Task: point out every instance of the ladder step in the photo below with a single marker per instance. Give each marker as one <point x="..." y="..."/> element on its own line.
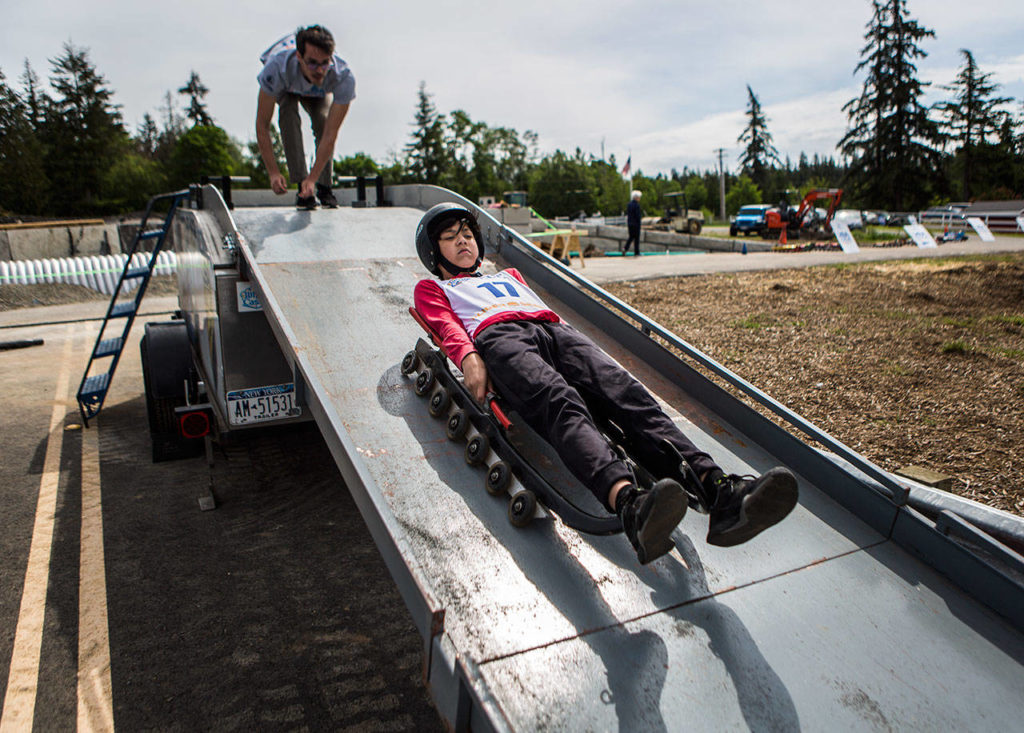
<point x="151" y="234"/>
<point x="95" y="385"/>
<point x="122" y="309"/>
<point x="109" y="347"/>
<point x="136" y="272"/>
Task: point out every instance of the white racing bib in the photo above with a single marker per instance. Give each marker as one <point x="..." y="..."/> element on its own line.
<point x="477" y="299"/>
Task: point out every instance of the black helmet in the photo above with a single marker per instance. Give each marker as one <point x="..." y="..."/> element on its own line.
<point x="432" y="224"/>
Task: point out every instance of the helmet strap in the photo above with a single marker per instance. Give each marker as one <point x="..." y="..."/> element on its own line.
<point x="454" y="269"/>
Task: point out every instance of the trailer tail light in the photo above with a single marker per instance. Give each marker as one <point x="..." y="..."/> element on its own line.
<point x="194" y="423"/>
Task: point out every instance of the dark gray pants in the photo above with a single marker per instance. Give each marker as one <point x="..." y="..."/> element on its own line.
<point x="290" y="124"/>
<point x="553" y="375"/>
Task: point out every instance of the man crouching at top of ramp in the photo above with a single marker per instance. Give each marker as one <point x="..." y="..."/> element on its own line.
<point x="500" y="334"/>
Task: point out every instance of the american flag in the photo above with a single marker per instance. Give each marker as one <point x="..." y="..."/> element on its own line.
<point x="626" y="168"/>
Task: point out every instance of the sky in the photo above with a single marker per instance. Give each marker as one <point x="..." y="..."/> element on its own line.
<point x="660" y="81"/>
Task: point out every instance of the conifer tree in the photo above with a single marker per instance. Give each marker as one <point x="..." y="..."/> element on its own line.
<point x="891" y="141"/>
<point x="425" y="153"/>
<point x="196" y="91"/>
<point x="972" y="116"/>
<point x="82" y="132"/>
<point x="759" y="151"/>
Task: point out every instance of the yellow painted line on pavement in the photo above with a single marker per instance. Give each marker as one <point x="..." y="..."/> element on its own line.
<point x="95" y="690"/>
<point x="23" y="678"/>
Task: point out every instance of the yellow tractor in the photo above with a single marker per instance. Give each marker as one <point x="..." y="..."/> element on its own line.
<point x="678" y="217"/>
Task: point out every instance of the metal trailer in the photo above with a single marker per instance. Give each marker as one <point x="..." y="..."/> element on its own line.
<point x="868" y="608"/>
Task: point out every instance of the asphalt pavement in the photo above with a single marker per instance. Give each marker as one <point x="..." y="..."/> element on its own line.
<point x="660" y="264"/>
<point x="123" y="605"/>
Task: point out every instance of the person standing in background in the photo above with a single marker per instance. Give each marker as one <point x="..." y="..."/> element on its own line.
<point x="633" y="216"/>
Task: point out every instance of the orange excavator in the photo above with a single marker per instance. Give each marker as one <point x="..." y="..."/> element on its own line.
<point x="805" y="221"/>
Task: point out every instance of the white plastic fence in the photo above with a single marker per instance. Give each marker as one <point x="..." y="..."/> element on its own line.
<point x="99" y="272"/>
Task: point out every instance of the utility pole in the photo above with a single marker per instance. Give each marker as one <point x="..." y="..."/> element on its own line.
<point x="721" y="184"/>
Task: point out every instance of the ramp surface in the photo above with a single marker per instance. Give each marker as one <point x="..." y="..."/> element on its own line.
<point x="822" y="622"/>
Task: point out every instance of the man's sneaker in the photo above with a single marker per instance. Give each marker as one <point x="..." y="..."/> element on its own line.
<point x="307" y="203"/>
<point x="326" y="197"/>
<point x="745" y="506"/>
<point x="649" y="517"/>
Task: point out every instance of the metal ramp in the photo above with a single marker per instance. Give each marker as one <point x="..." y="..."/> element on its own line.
<point x="857" y="613"/>
<point x="106" y="353"/>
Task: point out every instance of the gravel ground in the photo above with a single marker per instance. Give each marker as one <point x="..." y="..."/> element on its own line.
<point x="911" y="362"/>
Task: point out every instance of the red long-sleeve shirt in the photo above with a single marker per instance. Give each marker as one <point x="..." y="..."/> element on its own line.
<point x="434" y="306"/>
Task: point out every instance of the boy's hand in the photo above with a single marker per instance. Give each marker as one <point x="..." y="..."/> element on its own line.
<point x="477" y="381"/>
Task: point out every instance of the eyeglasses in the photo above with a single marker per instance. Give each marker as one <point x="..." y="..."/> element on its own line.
<point x="317" y="64"/>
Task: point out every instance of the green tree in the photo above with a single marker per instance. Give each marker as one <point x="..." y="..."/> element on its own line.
<point x="971" y="117"/>
<point x="425" y="153"/>
<point x="203" y="150"/>
<point x="359" y="164"/>
<point x="82" y="133"/>
<point x="196" y="91"/>
<point x="561" y="185"/>
<point x="758" y="152"/>
<point x="891" y="141"/>
<point x="744" y="191"/>
<point x="696" y="192"/>
<point x="611" y="190"/>
<point x="131" y="181"/>
<point x="23" y="181"/>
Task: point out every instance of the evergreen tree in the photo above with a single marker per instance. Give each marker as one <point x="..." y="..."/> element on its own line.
<point x="148" y="136"/>
<point x="972" y="116"/>
<point x="33" y="98"/>
<point x="891" y="141"/>
<point x="425" y="153"/>
<point x="759" y="151"/>
<point x="82" y="132"/>
<point x="23" y="182"/>
<point x="196" y="91"/>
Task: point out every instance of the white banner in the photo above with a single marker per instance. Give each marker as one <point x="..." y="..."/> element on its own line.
<point x="981" y="229"/>
<point x="844" y="236"/>
<point x="921" y="236"/>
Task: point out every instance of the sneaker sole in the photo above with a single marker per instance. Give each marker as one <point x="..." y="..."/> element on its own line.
<point x="767" y="506"/>
<point x="667" y="511"/>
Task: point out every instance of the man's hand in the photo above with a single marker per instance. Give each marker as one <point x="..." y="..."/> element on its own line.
<point x="307" y="187"/>
<point x="278" y="184"/>
<point x="477" y="381"/>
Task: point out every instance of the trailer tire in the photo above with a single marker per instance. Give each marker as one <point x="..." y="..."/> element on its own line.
<point x="166" y="370"/>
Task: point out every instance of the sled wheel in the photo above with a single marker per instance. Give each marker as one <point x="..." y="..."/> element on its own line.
<point x="498" y="478"/>
<point x="521" y="508"/>
<point x="424" y="382"/>
<point x="410" y="362"/>
<point x="457" y="425"/>
<point x="477" y="449"/>
<point x="439" y="402"/>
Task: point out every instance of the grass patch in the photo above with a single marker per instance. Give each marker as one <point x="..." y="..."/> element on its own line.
<point x="957" y="346"/>
<point x="1015" y="354"/>
<point x="957" y="322"/>
<point x="754" y="322"/>
<point x="1013" y="320"/>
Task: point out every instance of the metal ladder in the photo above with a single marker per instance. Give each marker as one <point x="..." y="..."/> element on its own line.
<point x="93" y="389"/>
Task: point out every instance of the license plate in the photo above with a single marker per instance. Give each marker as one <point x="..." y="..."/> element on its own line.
<point x="262" y="404"/>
